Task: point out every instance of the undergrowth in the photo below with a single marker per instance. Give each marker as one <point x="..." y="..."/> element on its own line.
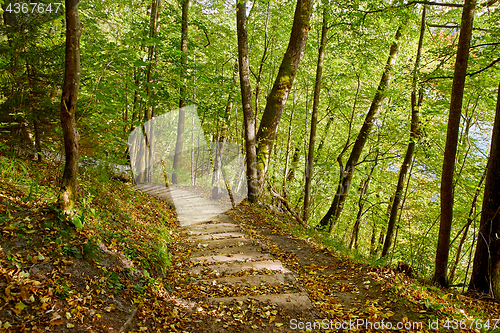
<point x="58" y="273"/>
<point x="109" y="211"/>
<point x="448" y="306"/>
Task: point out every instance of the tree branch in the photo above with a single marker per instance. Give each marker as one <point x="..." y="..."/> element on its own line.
<point x="422" y="2"/>
<point x="485" y="68"/>
<point x="432" y="3"/>
<point x="455" y="26"/>
<point x="468" y="74"/>
<point x="286" y="204"/>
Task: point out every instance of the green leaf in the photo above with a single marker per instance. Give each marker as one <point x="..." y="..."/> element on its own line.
<point x="78" y="222"/>
<point x="21" y="306"/>
<point x="139" y="63"/>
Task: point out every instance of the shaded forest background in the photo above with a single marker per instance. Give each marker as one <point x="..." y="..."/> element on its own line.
<point x="133" y="67"/>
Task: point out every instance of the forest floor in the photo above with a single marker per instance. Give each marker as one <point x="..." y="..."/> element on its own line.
<point x="128" y="270"/>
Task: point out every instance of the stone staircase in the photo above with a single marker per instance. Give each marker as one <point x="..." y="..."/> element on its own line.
<point x="231" y="266"/>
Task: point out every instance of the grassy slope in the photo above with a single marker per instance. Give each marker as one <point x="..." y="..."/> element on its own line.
<point x="53" y="276"/>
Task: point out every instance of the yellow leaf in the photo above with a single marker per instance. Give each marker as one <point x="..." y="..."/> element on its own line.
<point x="109" y="308"/>
<point x="70" y="325"/>
<point x="278" y="324"/>
<point x="388" y="314"/>
<point x="19" y="308"/>
<point x="255" y="327"/>
<point x="57" y="320"/>
<point x="25" y="292"/>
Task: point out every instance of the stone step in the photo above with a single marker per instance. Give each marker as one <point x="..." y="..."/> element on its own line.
<point x="252" y="280"/>
<point x="228" y="250"/>
<point x="223" y="243"/>
<point x="212" y="229"/>
<point x="236" y="267"/>
<point x="223" y="235"/>
<point x="211" y="224"/>
<point x="231" y="257"/>
<point x="295" y="302"/>
<point x="191" y="220"/>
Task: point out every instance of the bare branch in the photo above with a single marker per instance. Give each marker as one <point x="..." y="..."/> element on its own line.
<point x="484" y="44"/>
<point x="422" y="2"/>
<point x="432" y="3"/>
<point x="485" y="68"/>
<point x="468" y="74"/>
<point x="455" y="26"/>
<point x="286" y="204"/>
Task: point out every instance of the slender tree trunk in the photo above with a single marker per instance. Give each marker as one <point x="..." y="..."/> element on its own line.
<point x="148" y="113"/>
<point x="415" y="111"/>
<point x="193" y="170"/>
<point x="348" y="172"/>
<point x="246" y="98"/>
<point x="295" y="160"/>
<point x="322" y="141"/>
<point x="288" y="145"/>
<point x="222" y="132"/>
<point x="261" y="66"/>
<point x="36" y="120"/>
<point x="67" y="196"/>
<point x="314" y="117"/>
<point x="153" y="27"/>
<point x="362" y="193"/>
<point x="136" y="97"/>
<point x="278" y="96"/>
<point x="470" y="219"/>
<point x="486" y="268"/>
<point x="182" y="100"/>
<point x="373" y="239"/>
<point x="457" y="91"/>
<point x="38" y="139"/>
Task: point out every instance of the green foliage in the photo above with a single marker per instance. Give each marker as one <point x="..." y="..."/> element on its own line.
<point x="120" y="81"/>
<point x="71" y="251"/>
<point x="92" y="251"/>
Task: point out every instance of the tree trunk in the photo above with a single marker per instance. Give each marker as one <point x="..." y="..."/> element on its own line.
<point x="314" y="117"/>
<point x="322" y="141"/>
<point x="30" y="73"/>
<point x="261" y="66"/>
<point x="155" y="4"/>
<point x="373" y="239"/>
<point x="364" y="189"/>
<point x="457" y="92"/>
<point x="69" y="99"/>
<point x="486" y="268"/>
<point x="295" y="160"/>
<point x="182" y="100"/>
<point x="415" y="111"/>
<point x="246" y="98"/>
<point x="38" y="139"/>
<point x="470" y="219"/>
<point x="148" y="113"/>
<point x="348" y="172"/>
<point x="288" y="145"/>
<point x="279" y="93"/>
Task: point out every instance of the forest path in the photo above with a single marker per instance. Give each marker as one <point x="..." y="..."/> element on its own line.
<point x="242" y="261"/>
<point x="232" y="267"/>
